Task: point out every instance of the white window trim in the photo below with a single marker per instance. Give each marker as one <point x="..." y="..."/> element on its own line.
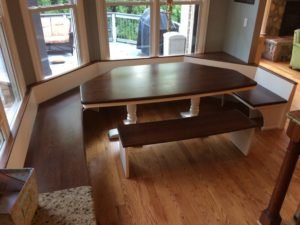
<point x="13" y="67"/>
<point x="102" y="33"/>
<point x="13" y="53"/>
<point x="81" y="35"/>
<point x="154" y="10"/>
<point x="4" y="126"/>
<point x="202" y="26"/>
<point x="265" y="17"/>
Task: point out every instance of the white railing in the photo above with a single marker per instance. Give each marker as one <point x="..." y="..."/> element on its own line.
<point x="123" y="27"/>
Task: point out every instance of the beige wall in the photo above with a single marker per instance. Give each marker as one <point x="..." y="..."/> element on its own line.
<point x="216" y="27"/>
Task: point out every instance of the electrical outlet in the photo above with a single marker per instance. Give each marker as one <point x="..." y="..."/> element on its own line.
<point x="245" y="24"/>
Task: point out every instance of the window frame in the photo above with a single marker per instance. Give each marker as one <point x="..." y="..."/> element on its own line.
<point x="102" y="23"/>
<point x="13" y="67"/>
<point x="81" y="34"/>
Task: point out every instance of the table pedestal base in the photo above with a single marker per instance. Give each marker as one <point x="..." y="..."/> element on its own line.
<point x="194" y="109"/>
<point x="113" y="134"/>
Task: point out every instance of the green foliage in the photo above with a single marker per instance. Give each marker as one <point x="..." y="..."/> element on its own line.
<point x="53" y="2"/>
<point x="137" y="10"/>
<point x="176" y="10"/>
<point x="129" y="29"/>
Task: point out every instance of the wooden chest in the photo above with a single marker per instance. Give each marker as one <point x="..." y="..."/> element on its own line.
<point x="278" y="49"/>
<point x="18" y="196"/>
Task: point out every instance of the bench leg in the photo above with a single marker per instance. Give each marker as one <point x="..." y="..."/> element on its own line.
<point x="124" y="159"/>
<point x="242" y="139"/>
<point x="274" y="116"/>
<point x="194" y="109"/>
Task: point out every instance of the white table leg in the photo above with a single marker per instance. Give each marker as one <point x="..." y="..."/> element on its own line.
<point x="131" y="118"/>
<point x="131" y="114"/>
<point x="194" y="109"/>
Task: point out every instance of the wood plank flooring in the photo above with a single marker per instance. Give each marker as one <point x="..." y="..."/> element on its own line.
<point x="200" y="181"/>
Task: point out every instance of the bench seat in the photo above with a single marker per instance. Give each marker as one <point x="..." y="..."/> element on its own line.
<point x="259" y="96"/>
<point x="234" y="122"/>
<point x="264" y="103"/>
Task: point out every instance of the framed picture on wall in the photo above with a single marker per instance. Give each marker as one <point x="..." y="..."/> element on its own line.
<point x="246" y="1"/>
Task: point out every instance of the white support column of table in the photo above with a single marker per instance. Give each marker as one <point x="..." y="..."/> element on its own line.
<point x="131" y="114"/>
<point x="194" y="109"/>
<point x="131" y="119"/>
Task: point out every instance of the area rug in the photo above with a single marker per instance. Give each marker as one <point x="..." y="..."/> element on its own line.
<point x="72" y="206"/>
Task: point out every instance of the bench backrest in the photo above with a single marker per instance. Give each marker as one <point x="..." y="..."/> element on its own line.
<point x="281" y="86"/>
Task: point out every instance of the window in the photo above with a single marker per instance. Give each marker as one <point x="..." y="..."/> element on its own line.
<point x="9" y="88"/>
<point x="12" y="87"/>
<point x="4" y="129"/>
<point x="136" y="28"/>
<point x="178" y="35"/>
<point x="2" y="139"/>
<point x="128" y="28"/>
<point x="9" y="92"/>
<point x="55" y="25"/>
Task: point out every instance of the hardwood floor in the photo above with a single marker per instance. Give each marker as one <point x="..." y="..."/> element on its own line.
<point x="200" y="181"/>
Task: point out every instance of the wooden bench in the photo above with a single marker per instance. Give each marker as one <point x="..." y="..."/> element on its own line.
<point x="274" y="114"/>
<point x="271" y="98"/>
<point x="260" y="96"/>
<point x="240" y="127"/>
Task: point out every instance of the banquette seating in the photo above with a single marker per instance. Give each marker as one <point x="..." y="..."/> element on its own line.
<point x="271" y="99"/>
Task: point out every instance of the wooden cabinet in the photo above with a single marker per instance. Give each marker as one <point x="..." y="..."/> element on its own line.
<point x="18" y="196"/>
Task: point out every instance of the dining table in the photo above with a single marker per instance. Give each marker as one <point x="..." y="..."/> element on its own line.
<point x="141" y="84"/>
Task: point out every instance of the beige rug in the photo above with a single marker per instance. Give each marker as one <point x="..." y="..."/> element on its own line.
<point x="66" y="207"/>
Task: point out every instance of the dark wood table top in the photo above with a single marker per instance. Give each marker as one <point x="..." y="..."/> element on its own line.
<point x="142" y="83"/>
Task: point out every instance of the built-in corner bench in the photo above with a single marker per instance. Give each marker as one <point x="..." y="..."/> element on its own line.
<point x="271" y="98"/>
<point x="239" y="127"/>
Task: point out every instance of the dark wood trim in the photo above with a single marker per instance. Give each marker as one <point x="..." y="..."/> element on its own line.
<point x="61" y="75"/>
<point x="91" y="63"/>
<point x="219" y="56"/>
<point x="210" y="56"/>
<point x="138" y="59"/>
<point x="278" y="75"/>
<point x="14" y="131"/>
<point x="271" y="215"/>
<point x="256" y="33"/>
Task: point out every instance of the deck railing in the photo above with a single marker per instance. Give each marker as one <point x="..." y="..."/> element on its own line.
<point x="122" y="27"/>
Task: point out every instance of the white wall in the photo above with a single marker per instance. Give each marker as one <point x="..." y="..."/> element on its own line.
<point x="238" y="39"/>
<point x="216" y="27"/>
